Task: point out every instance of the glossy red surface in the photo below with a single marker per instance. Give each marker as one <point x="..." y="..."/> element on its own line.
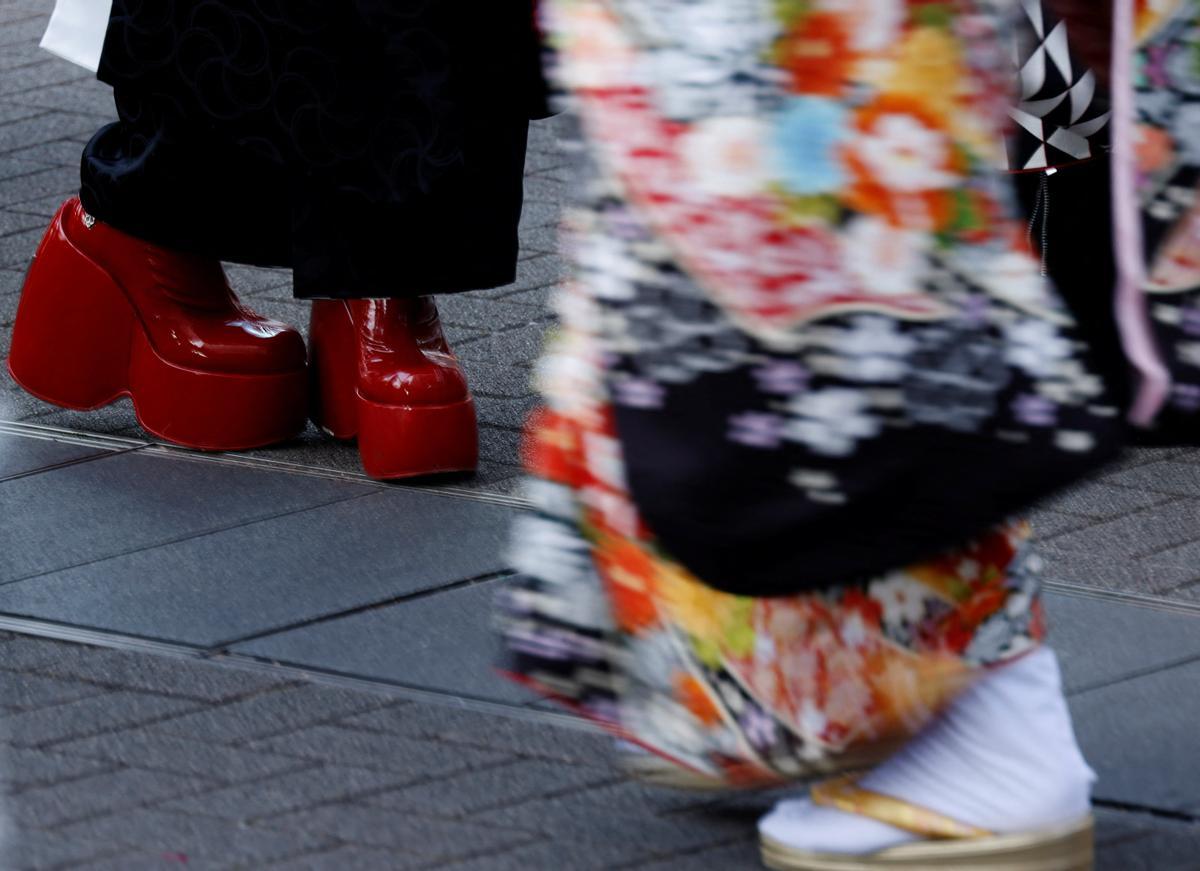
<point x="384" y="373"/>
<point x="104" y="315"/>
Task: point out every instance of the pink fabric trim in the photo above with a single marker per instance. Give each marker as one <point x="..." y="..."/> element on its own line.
<point x="1133" y="317"/>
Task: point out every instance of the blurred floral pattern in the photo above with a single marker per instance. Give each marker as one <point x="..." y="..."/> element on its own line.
<point x="795" y="251"/>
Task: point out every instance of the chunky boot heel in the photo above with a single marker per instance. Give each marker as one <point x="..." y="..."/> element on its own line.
<point x="397" y="441"/>
<point x="103" y="315"/>
<point x="215" y="411"/>
<point x="384" y="374"/>
<point x="71" y="339"/>
<point x="333" y="367"/>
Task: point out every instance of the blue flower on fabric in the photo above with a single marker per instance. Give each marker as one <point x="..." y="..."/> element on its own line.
<point x="808" y="133"/>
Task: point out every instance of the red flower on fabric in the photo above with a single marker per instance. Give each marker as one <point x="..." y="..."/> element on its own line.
<point x="550" y="448"/>
<point x="628" y="572"/>
<point x="817" y="53"/>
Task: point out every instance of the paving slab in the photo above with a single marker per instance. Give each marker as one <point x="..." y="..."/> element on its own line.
<point x="413" y="841"/>
<point x="1168" y="477"/>
<point x="1140" y="842"/>
<point x="39" y="850"/>
<point x="155" y="750"/>
<point x="1099" y="500"/>
<point x="478" y="791"/>
<point x="99" y="794"/>
<point x="406" y="760"/>
<point x="1115" y="572"/>
<point x="129" y="501"/>
<point x="526" y="738"/>
<point x="20" y="455"/>
<point x="442" y="642"/>
<point x="27" y="659"/>
<point x="424" y="643"/>
<point x="1140" y="736"/>
<point x="212" y="589"/>
<point x="198" y="841"/>
<point x="1138" y="533"/>
<point x="1101" y="641"/>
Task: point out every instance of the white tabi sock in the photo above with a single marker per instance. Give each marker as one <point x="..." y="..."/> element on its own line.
<point x="1003" y="757"/>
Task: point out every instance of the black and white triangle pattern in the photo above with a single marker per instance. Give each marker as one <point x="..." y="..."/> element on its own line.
<point x="1061" y="116"/>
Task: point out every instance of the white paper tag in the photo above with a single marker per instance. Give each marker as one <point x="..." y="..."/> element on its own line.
<point x="76" y="31"/>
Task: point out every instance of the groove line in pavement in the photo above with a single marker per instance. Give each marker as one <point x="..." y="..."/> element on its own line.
<point x="223" y="647"/>
<point x="252" y="521"/>
<point x="1161" y="813"/>
<point x="66" y="464"/>
<point x="134" y="644"/>
<point x="86" y="439"/>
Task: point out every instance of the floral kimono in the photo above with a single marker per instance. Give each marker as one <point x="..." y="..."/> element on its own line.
<point x="807" y="354"/>
<point x="1167" y="139"/>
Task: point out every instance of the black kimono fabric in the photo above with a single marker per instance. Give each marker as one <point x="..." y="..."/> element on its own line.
<point x="375" y="146"/>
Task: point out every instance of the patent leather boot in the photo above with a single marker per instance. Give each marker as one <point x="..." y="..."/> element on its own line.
<point x="104" y="315"/>
<point x="384" y="374"/>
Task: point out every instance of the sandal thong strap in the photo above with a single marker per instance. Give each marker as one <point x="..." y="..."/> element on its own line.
<point x="844" y="794"/>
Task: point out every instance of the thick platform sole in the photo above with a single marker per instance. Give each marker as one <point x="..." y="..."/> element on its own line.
<point x="410" y="441"/>
<point x="77" y="343"/>
<point x="1069" y="848"/>
<point x="407" y="441"/>
<point x="394" y="441"/>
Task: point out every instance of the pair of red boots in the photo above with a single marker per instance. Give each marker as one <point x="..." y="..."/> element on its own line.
<point x="105" y="315"/>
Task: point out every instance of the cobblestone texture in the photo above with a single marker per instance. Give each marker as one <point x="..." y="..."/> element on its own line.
<point x="361" y="780"/>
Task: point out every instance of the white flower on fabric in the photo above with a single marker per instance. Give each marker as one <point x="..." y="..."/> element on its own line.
<point x="690" y="85"/>
<point x="549" y="550"/>
<point x="1076" y="442"/>
<point x="706" y="57"/>
<point x="555" y="500"/>
<point x="901" y="597"/>
<point x="1036" y="347"/>
<point x="870" y="335"/>
<point x="569" y="379"/>
<point x="608" y="269"/>
<point x="905" y="155"/>
<point x="1188" y="352"/>
<point x="765" y="649"/>
<point x="597" y="56"/>
<point x="654" y="659"/>
<point x="1018" y="604"/>
<point x="618" y="512"/>
<point x="1011" y="276"/>
<point x="854" y="630"/>
<point x="602" y="455"/>
<point x="877" y="23"/>
<point x="831" y="422"/>
<point x="727" y="156"/>
<point x="885" y="260"/>
<point x="859" y="360"/>
<point x="812" y="722"/>
<point x="991" y="640"/>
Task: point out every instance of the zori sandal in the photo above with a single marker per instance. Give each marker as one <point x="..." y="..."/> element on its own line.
<point x="947" y="844"/>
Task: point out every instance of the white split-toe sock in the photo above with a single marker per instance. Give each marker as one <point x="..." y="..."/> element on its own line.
<point x="1003" y="757"/>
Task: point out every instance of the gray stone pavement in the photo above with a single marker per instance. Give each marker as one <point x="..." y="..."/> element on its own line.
<point x="265" y="660"/>
<point x="131" y="760"/>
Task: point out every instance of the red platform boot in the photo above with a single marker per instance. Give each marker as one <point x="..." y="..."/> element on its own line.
<point x="104" y="315"/>
<point x="384" y="373"/>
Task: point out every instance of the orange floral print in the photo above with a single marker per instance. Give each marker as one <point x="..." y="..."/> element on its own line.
<point x="817" y="54"/>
